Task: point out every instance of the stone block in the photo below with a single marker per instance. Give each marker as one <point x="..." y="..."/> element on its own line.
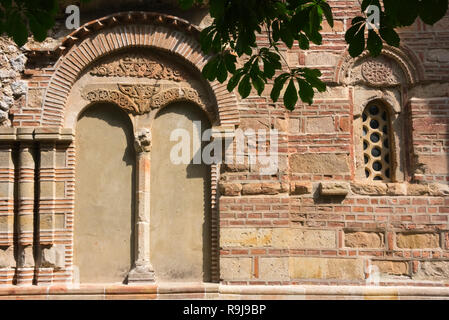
<point x="273" y="269"/>
<point x="294" y="238"/>
<point x="433" y="270"/>
<point x="320" y="125"/>
<point x="321" y="58"/>
<point x="369" y="189"/>
<point x="270" y="188"/>
<point x="334" y="188"/>
<point x="364" y="240"/>
<point x="236" y="268"/>
<point x="320" y="163"/>
<point x="326" y="268"/>
<point x="230" y="189"/>
<point x="52" y="256"/>
<point x="418" y="240"/>
<point x="299" y="188"/>
<point x="245" y="237"/>
<point x="398" y="268"/>
<point x="7" y="257"/>
<point x="396" y="189"/>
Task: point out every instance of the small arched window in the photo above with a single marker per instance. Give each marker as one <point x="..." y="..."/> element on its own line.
<point x="377" y="142"/>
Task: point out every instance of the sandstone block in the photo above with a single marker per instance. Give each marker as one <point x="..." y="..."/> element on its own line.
<point x="298" y="188"/>
<point x="274" y="269"/>
<point x="334" y="188"/>
<point x="320" y="125"/>
<point x="52" y="256"/>
<point x="396" y="189"/>
<point x="235" y="268"/>
<point x="245" y="237"/>
<point x="369" y="189"/>
<point x="6" y="257"/>
<point x="321" y="163"/>
<point x="433" y="270"/>
<point x="326" y="268"/>
<point x="364" y="240"/>
<point x="392" y="267"/>
<point x="418" y="240"/>
<point x="294" y="238"/>
<point x="230" y="189"/>
<point x="261" y="188"/>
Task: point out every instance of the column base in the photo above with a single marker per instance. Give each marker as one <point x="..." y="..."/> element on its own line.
<point x="141" y="274"/>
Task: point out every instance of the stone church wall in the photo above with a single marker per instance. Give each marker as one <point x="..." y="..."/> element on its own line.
<point x="317" y="220"/>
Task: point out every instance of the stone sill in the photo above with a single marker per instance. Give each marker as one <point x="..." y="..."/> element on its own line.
<point x="220" y="291"/>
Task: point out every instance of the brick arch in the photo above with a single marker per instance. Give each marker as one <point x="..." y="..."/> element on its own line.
<point x="107" y="35"/>
<point x="403" y="57"/>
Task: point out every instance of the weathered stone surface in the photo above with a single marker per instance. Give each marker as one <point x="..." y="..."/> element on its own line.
<point x="326" y="268"/>
<point x="320" y="125"/>
<point x="371" y="189"/>
<point x="34" y="98"/>
<point x="25" y="257"/>
<point x="6" y="103"/>
<point x="396" y="189"/>
<point x="418" y="189"/>
<point x="315" y="58"/>
<point x="230" y="189"/>
<point x="334" y="188"/>
<point x="323" y="163"/>
<point x="261" y="188"/>
<point x="255" y="123"/>
<point x="392" y="267"/>
<point x="273" y="269"/>
<point x="433" y="164"/>
<point x="298" y="188"/>
<point x="438" y="55"/>
<point x="18" y="63"/>
<point x="235" y="167"/>
<point x="433" y="270"/>
<point x="245" y="237"/>
<point x="439" y="189"/>
<point x="235" y="268"/>
<point x="52" y="256"/>
<point x="7" y="257"/>
<point x="364" y="240"/>
<point x="19" y="88"/>
<point x="295" y="238"/>
<point x="418" y="240"/>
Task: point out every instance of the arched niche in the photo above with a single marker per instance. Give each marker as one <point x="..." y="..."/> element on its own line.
<point x="180" y="197"/>
<point x="105" y="194"/>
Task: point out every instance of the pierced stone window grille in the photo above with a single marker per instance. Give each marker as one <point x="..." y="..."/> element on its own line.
<point x="376" y="143"/>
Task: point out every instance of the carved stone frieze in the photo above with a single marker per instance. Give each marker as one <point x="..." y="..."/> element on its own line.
<point x="141" y="98"/>
<point x="137" y="66"/>
<point x="378" y="72"/>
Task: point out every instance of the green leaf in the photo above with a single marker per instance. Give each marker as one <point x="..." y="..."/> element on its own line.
<point x="210" y="69"/>
<point x="430" y="11"/>
<point x="290" y="96"/>
<point x="390" y="36"/>
<point x="258" y="84"/>
<point x="408" y="11"/>
<point x="217" y="8"/>
<point x="374" y="43"/>
<point x="185" y="4"/>
<point x="286" y="36"/>
<point x="230" y="61"/>
<point x="268" y="68"/>
<point x="327" y="13"/>
<point x="303" y="42"/>
<point x="39" y="32"/>
<point x="222" y="73"/>
<point x="305" y="91"/>
<point x="278" y="85"/>
<point x="357" y="43"/>
<point x="245" y="87"/>
<point x="234" y="81"/>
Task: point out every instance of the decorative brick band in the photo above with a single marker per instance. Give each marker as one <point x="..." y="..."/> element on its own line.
<point x="127" y="30"/>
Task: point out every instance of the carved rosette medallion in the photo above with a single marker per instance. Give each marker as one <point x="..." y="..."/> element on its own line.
<point x="378" y="73"/>
<point x="137" y="66"/>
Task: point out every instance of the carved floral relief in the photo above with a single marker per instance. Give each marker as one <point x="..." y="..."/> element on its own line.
<point x="137" y="66"/>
